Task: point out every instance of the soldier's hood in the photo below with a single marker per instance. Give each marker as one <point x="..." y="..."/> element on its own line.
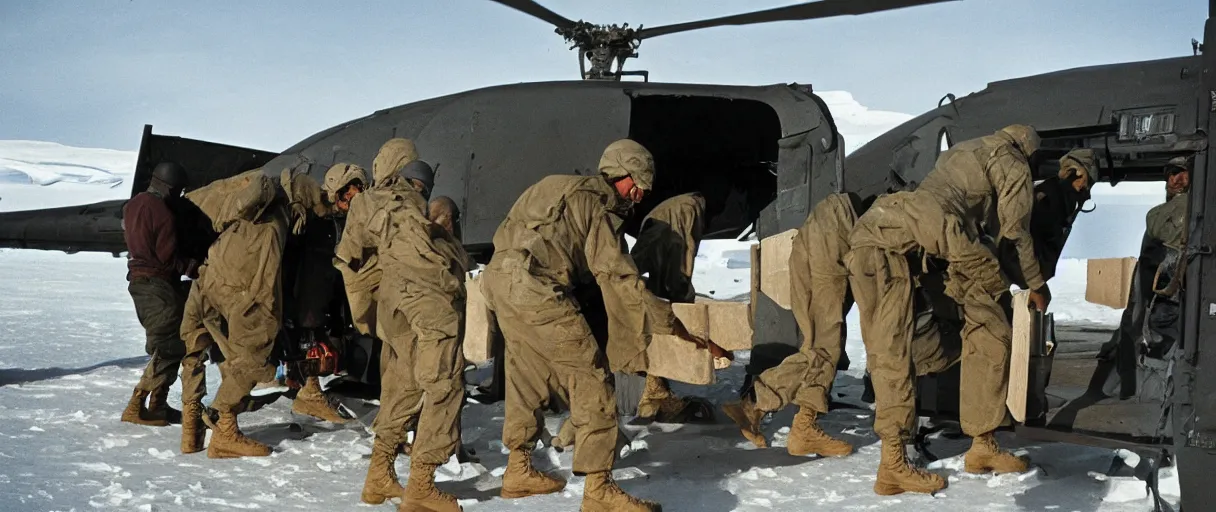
<point x="1025" y="137"/>
<point x="626" y="157"/>
<point x="393" y="155"/>
<point x="242" y="197"/>
<point x="1083" y="161"/>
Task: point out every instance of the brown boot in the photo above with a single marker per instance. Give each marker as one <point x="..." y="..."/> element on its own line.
<point x="136" y="412"/>
<point x="896" y="476"/>
<point x="522" y="480"/>
<point x="381" y="483"/>
<point x="158" y="407"/>
<point x="193" y="431"/>
<point x="657" y="397"/>
<point x="421" y="495"/>
<point x="806" y="438"/>
<point x="227" y="441"/>
<point x="985" y="456"/>
<point x="745" y="414"/>
<point x="311" y="401"/>
<point x="601" y="494"/>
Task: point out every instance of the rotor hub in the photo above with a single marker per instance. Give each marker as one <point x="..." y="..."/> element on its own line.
<point x="602" y="46"/>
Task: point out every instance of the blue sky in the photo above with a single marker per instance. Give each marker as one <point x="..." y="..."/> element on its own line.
<point x="266" y="74"/>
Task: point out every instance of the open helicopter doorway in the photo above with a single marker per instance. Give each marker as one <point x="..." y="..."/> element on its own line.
<point x="726" y="149"/>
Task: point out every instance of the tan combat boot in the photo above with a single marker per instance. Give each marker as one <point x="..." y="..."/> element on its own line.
<point x="381" y="483"/>
<point x="522" y="480"/>
<point x="227" y="441"/>
<point x="601" y="494"/>
<point x="421" y="495"/>
<point x="985" y="456"/>
<point x="193" y="432"/>
<point x="158" y="407"/>
<point x="745" y="414"/>
<point x="806" y="438"/>
<point x="311" y="401"/>
<point x="655" y="397"/>
<point x="136" y="412"/>
<point x="896" y="476"/>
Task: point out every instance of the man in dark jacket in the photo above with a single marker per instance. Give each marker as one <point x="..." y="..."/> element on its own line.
<point x="155" y="265"/>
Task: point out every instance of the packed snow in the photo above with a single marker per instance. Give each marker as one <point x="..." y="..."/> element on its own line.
<point x="71" y="351"/>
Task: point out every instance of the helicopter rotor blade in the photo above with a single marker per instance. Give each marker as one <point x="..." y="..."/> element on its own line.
<point x="537" y="11"/>
<point x="805" y="11"/>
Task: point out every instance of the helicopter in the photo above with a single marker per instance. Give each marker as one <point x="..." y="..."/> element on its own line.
<point x="773" y="152"/>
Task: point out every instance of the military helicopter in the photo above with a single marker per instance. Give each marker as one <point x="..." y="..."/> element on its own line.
<point x="772" y="152"/>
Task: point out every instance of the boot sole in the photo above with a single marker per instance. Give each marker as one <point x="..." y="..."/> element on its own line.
<point x="882" y="489"/>
<point x="377" y="499"/>
<point x="820" y="454"/>
<point x="524" y="494"/>
<point x="146" y="423"/>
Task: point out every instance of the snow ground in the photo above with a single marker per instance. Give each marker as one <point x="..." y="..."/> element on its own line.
<point x="71" y="350"/>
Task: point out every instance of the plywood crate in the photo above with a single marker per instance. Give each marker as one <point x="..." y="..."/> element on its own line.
<point x="1108" y="281"/>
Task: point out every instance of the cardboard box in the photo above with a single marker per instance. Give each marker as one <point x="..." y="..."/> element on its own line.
<point x="1108" y="281"/>
<point x="730" y="324"/>
<point x="479" y="324"/>
<point x="679" y="360"/>
<point x="775" y="267"/>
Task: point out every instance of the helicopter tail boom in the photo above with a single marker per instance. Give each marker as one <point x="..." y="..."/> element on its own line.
<point x="96" y="227"/>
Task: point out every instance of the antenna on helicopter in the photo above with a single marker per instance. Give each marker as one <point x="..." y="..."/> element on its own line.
<point x="606" y="47"/>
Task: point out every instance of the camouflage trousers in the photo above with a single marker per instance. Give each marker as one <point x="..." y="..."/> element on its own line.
<point x="882" y="284"/>
<point x="422" y="377"/>
<point x="159" y="304"/>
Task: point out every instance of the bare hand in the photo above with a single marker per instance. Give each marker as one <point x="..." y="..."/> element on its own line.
<point x="1040" y="298"/>
<point x="679" y="331"/>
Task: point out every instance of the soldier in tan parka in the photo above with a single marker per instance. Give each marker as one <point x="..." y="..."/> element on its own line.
<point x="563" y="231"/>
<point x="666" y="249"/>
<point x="419" y="303"/>
<point x="981" y="182"/>
<point x="239" y="284"/>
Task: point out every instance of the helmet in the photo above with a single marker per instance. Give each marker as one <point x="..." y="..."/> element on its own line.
<point x="421" y="171"/>
<point x="339" y="176"/>
<point x="626" y="157"/>
<point x="170" y="174"/>
<point x="1178" y="162"/>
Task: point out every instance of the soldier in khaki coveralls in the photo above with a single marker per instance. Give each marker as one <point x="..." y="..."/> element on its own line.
<point x="666" y="249"/>
<point x="563" y="231"/>
<point x="985" y="182"/>
<point x="238" y="285"/>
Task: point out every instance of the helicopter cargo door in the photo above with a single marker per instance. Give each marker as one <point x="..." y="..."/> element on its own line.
<point x="523" y="135"/>
<point x="810" y="166"/>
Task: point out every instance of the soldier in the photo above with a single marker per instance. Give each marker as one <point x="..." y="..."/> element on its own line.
<point x="1164" y="239"/>
<point x="982" y="180"/>
<point x="821" y="299"/>
<point x="240" y="286"/>
<point x="419" y="314"/>
<point x="155" y="265"/>
<point x="563" y="231"/>
<point x="666" y="248"/>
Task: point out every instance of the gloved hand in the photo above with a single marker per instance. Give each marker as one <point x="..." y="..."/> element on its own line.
<point x="299" y="217"/>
